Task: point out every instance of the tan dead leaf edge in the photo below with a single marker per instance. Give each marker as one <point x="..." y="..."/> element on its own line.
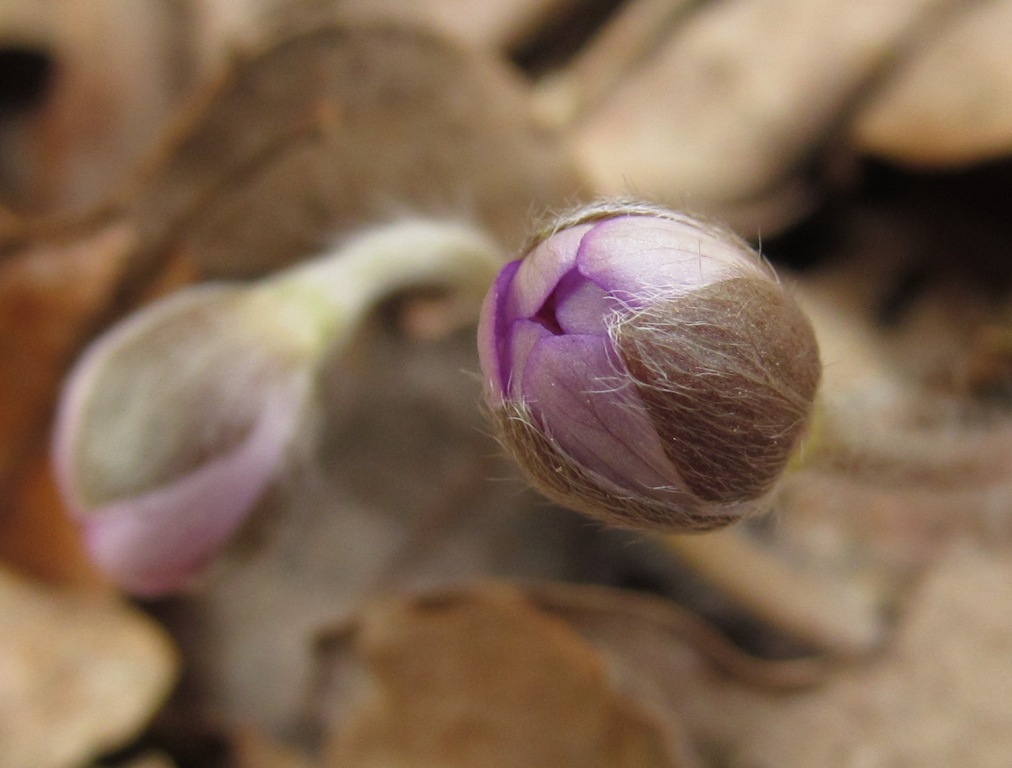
<point x="341" y="126"/>
<point x="252" y="748"/>
<point x="112" y="74"/>
<point x="48" y="291"/>
<point x="646" y="635"/>
<point x="938" y="698"/>
<point x="950" y="102"/>
<point x="720" y="124"/>
<point x="479" y="677"/>
<point x="53" y="287"/>
<point x="152" y="760"/>
<point x="500" y="24"/>
<point x="80" y="673"/>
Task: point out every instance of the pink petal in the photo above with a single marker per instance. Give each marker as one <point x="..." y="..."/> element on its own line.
<point x="492" y="334"/>
<point x="638" y="258"/>
<point x="541" y="270"/>
<point x="155" y="543"/>
<point x="572" y="386"/>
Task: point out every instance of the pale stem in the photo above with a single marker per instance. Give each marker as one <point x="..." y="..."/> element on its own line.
<point x="338" y="289"/>
<point x="843" y="622"/>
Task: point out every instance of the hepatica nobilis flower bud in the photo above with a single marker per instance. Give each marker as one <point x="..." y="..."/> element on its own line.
<point x="174" y="423"/>
<point x="647" y="369"/>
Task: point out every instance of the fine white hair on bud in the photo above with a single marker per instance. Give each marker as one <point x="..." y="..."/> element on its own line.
<point x="647" y="368"/>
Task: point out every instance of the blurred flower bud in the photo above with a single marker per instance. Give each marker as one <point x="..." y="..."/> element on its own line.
<point x="172" y="426"/>
<point x="175" y="422"/>
<point x="647" y="369"/>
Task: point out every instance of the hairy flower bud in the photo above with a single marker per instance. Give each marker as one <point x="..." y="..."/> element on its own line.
<point x="172" y="426"/>
<point x="647" y="369"/>
<point x="174" y="423"/>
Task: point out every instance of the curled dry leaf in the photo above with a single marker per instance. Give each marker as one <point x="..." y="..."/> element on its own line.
<point x="895" y="467"/>
<point x="51" y="291"/>
<point x="937" y="698"/>
<point x="633" y="31"/>
<point x="723" y="118"/>
<point x="950" y="101"/>
<point x="47" y="292"/>
<point x="80" y="674"/>
<point x="645" y="635"/>
<point x="36" y="535"/>
<point x="106" y="77"/>
<point x="479" y="678"/>
<point x="223" y="26"/>
<point x="896" y="530"/>
<point x="494" y="23"/>
<point x="384" y="121"/>
<point x="251" y="748"/>
<point x="151" y="760"/>
<point x="858" y="376"/>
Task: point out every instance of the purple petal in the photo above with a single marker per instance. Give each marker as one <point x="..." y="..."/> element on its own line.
<point x="572" y="386"/>
<point x="639" y="258"/>
<point x="157" y="542"/>
<point x="523" y="336"/>
<point x="542" y="269"/>
<point x="582" y="306"/>
<point x="492" y="328"/>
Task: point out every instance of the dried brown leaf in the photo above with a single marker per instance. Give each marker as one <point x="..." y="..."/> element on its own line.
<point x="950" y="101"/>
<point x="635" y="30"/>
<point x="115" y="77"/>
<point x="725" y="115"/>
<point x="36" y="535"/>
<point x="649" y="636"/>
<point x="149" y="760"/>
<point x="224" y="26"/>
<point x="480" y="678"/>
<point x="899" y="528"/>
<point x="80" y="674"/>
<point x="938" y="698"/>
<point x="51" y="291"/>
<point x="493" y="23"/>
<point x="251" y="748"/>
<point x="45" y="292"/>
<point x="341" y="126"/>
